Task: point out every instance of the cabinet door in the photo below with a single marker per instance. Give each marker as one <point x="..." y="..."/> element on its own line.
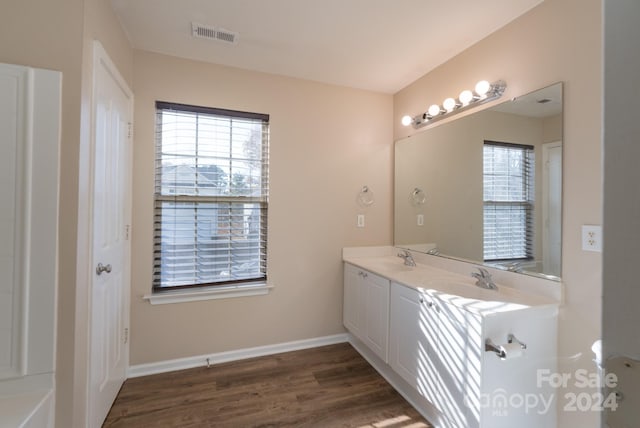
<point x="366" y="308"/>
<point x="413" y="334"/>
<point x="376" y="313"/>
<point x="429" y="324"/>
<point x="352" y="302"/>
<point x="457" y="363"/>
<point x="405" y="332"/>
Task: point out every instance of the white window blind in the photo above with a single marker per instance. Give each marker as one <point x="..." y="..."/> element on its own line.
<point x="508" y="201"/>
<point x="211" y="197"/>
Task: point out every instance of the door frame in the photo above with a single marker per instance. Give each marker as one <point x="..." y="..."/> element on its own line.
<point x="546" y="147"/>
<point x="84" y="255"/>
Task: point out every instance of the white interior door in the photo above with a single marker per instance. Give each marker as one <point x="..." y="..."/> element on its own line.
<point x="552" y="208"/>
<point x="13" y="96"/>
<point x="109" y="311"/>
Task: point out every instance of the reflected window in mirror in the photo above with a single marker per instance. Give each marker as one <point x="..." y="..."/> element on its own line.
<point x="508" y="183"/>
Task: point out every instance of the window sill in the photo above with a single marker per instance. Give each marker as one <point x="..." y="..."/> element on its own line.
<point x="221" y="292"/>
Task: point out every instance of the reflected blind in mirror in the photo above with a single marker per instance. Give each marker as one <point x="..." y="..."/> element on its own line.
<point x="508" y="182"/>
<point x="211" y="196"/>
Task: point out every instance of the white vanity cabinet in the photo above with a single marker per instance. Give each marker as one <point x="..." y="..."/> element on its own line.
<point x="366" y="308"/>
<point x="437" y="345"/>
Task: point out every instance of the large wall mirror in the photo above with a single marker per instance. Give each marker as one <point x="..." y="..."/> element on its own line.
<point x="486" y="187"/>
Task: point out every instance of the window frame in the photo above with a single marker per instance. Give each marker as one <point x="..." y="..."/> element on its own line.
<point x="215" y="289"/>
<point x="528" y="203"/>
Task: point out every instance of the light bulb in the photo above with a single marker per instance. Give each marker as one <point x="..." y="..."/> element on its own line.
<point x="465" y="97"/>
<point x="482" y="87"/>
<point x="449" y="104"/>
<point x="406" y="120"/>
<point x="434" y="110"/>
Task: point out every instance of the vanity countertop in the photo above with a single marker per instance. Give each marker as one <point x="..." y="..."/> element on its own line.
<point x="452" y="287"/>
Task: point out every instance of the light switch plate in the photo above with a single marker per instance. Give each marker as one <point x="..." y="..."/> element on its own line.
<point x="592" y="238"/>
<point x="420" y="219"/>
<point x="360" y="220"/>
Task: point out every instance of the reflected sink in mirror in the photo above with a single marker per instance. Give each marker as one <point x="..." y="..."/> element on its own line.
<point x="389" y="264"/>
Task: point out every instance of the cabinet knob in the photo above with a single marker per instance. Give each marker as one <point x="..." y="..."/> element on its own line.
<point x="103" y="268"/>
<point x="421" y="299"/>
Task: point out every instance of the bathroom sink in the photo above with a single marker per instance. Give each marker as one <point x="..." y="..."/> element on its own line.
<point x="393" y="265"/>
<point x="452" y="289"/>
<point x="463" y="289"/>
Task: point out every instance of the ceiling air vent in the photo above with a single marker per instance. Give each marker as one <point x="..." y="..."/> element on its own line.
<point x="212" y="33"/>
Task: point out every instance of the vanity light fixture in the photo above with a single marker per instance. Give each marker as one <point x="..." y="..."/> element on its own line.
<point x="406" y="120"/>
<point x="450" y="104"/>
<point x="465" y="97"/>
<point x="434" y="110"/>
<point x="483" y="93"/>
<point x="482" y="88"/>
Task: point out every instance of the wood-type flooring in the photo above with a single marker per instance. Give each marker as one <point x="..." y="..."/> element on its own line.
<point x="329" y="386"/>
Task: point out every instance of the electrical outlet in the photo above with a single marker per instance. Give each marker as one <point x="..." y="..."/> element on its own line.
<point x="360" y="220"/>
<point x="592" y="238"/>
<point x="420" y="219"/>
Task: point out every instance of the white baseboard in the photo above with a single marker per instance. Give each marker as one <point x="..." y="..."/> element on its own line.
<point x="240" y="354"/>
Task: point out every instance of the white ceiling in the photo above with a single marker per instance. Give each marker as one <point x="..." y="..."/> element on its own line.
<point x="379" y="45"/>
<point x="530" y="105"/>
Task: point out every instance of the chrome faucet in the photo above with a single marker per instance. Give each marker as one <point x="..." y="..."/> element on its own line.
<point x="514" y="267"/>
<point x="484" y="279"/>
<point x="408" y="258"/>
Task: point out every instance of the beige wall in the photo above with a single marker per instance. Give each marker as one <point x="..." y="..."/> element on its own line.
<point x="54" y="35"/>
<point x="560" y="40"/>
<point x="552" y="129"/>
<point x="326" y="143"/>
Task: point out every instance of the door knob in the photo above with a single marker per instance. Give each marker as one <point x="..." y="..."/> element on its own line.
<point x="102" y="268"/>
